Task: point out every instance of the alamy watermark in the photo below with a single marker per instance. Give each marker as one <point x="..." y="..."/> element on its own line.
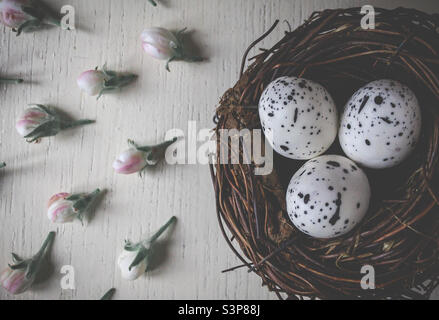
<point x="368" y="21"/>
<point x="225" y="146"/>
<point x="368" y="280"/>
<point x="68" y="280"/>
<point x="68" y="21"/>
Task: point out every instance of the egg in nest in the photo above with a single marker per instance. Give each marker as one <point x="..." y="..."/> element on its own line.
<point x="328" y="196"/>
<point x="381" y="124"/>
<point x="299" y="117"/>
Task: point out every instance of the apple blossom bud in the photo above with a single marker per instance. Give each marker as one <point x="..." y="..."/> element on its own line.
<point x="135" y="258"/>
<point x="162" y="44"/>
<point x="137" y="158"/>
<point x="130" y="161"/>
<point x="97" y="82"/>
<point x="61" y="210"/>
<point x="20" y="276"/>
<point x="15" y="281"/>
<point x="65" y="207"/>
<point x="12" y="14"/>
<point x="39" y="121"/>
<point x="91" y="82"/>
<point x="125" y="260"/>
<point x="31" y="119"/>
<point x="26" y="15"/>
<point x="159" y="43"/>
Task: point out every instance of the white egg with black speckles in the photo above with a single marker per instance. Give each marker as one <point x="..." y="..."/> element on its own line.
<point x="328" y="196"/>
<point x="299" y="117"/>
<point x="381" y="124"/>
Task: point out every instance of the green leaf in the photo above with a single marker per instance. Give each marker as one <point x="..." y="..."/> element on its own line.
<point x="151" y="160"/>
<point x="131" y="246"/>
<point x="119" y="81"/>
<point x="28" y="26"/>
<point x="32" y="11"/>
<point x="18" y="266"/>
<point x="141" y="255"/>
<point x="16" y="257"/>
<point x="32" y="268"/>
<point x="45" y="109"/>
<point x="83" y="201"/>
<point x="47" y="129"/>
<point x="74" y="197"/>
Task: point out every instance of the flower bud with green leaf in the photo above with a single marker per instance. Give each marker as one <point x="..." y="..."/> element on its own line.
<point x="20" y="275"/>
<point x="97" y="82"/>
<point x="40" y="121"/>
<point x="2" y="165"/>
<point x="65" y="207"/>
<point x="137" y="158"/>
<point x="135" y="259"/>
<point x="26" y="15"/>
<point x="162" y="44"/>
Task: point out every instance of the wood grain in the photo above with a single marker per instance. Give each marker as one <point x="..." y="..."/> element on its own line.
<point x="80" y="160"/>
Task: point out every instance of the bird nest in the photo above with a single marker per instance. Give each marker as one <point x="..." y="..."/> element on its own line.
<point x="399" y="236"/>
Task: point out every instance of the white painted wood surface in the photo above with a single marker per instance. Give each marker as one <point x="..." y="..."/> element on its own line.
<point x="80" y="160"/>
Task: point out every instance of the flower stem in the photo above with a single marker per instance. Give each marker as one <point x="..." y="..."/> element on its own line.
<point x="73" y="124"/>
<point x="13" y="81"/>
<point x="162" y="229"/>
<point x="95" y="193"/>
<point x="193" y="58"/>
<point x="46" y="244"/>
<point x="92" y="196"/>
<point x="53" y="21"/>
<point x="119" y="81"/>
<point x="109" y="294"/>
<point x="159" y="146"/>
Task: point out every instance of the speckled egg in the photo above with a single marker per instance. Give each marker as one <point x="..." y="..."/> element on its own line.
<point x="381" y="124"/>
<point x="328" y="196"/>
<point x="299" y="117"/>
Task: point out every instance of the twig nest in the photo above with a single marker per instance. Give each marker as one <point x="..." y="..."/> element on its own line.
<point x="398" y="236"/>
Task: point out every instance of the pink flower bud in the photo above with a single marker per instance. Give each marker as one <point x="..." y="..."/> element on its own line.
<point x="40" y="121"/>
<point x="131" y="161"/>
<point x="65" y="207"/>
<point x="21" y="274"/>
<point x="92" y="82"/>
<point x="61" y="210"/>
<point x="160" y="43"/>
<point x="97" y="82"/>
<point x="164" y="45"/>
<point x="11" y="13"/>
<point x="31" y="119"/>
<point x="15" y="281"/>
